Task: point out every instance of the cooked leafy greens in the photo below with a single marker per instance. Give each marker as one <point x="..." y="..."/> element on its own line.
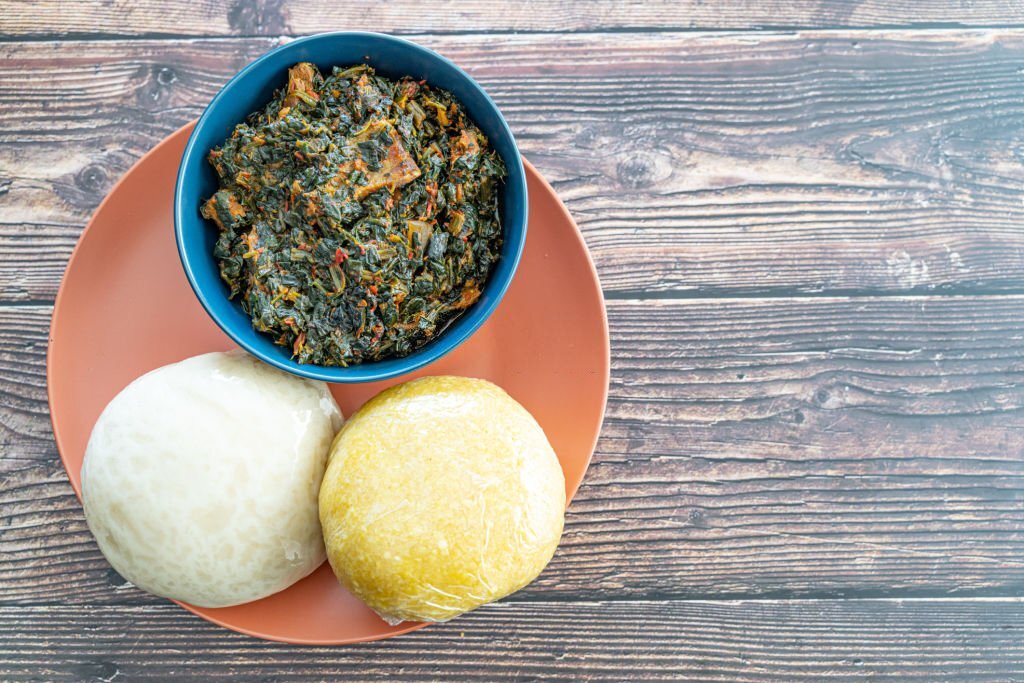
<point x="357" y="216"/>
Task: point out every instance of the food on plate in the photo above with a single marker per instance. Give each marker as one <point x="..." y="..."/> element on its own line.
<point x="441" y="494"/>
<point x="357" y="216"/>
<point x="200" y="479"/>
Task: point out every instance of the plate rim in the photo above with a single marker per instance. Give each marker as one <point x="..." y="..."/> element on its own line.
<point x="605" y="374"/>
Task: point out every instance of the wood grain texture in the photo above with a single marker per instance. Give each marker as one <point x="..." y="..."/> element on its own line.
<point x="773" y="447"/>
<point x="756" y="449"/>
<point x="595" y="641"/>
<point x="53" y="18"/>
<point x="777" y="164"/>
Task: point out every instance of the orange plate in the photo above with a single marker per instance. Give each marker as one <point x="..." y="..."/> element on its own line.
<point x="125" y="308"/>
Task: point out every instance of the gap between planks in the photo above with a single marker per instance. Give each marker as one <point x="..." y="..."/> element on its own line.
<point x="764" y="31"/>
<point x="604" y="600"/>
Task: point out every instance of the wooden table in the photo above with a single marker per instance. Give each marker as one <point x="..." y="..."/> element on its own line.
<point x="809" y="223"/>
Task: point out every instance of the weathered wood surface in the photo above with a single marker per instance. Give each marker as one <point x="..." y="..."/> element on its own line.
<point x="696" y="165"/>
<point x="805" y="640"/>
<point x="812" y="243"/>
<point x="799" y="447"/>
<point x="164" y="18"/>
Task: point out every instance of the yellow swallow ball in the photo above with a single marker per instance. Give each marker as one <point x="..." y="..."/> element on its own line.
<point x="441" y="494"/>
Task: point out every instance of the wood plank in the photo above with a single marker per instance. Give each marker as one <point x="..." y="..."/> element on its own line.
<point x="741" y="164"/>
<point x="813" y="447"/>
<point x="53" y="18"/>
<point x="597" y="641"/>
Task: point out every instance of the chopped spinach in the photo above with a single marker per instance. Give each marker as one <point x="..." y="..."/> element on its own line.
<point x="357" y="216"/>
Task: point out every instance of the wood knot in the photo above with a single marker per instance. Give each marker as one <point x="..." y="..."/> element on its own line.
<point x="165" y="75"/>
<point x="83" y="188"/>
<point x="586" y="137"/>
<point x="262" y="17"/>
<point x="636" y="171"/>
<point x="831" y="398"/>
<point x="92" y="178"/>
<point x="157" y="82"/>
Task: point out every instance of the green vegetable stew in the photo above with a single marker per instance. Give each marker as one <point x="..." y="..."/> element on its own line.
<point x="357" y="216"/>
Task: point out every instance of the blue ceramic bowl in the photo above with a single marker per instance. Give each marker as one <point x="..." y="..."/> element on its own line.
<point x="249" y="91"/>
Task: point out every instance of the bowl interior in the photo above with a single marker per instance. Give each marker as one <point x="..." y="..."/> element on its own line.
<point x="250" y="90"/>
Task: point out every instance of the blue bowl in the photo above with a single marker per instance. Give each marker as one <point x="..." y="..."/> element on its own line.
<point x="249" y="91"/>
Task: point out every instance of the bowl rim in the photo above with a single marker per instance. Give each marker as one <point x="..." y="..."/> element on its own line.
<point x="435" y="349"/>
